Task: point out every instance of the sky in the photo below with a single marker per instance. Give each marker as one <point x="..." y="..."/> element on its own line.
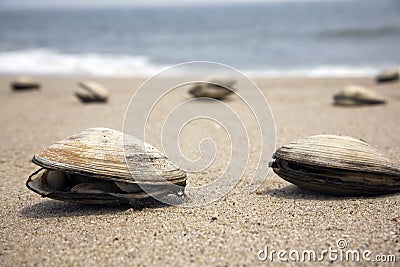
<point x="113" y="3"/>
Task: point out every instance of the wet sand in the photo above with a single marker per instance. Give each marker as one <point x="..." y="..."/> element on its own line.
<point x="230" y="231"/>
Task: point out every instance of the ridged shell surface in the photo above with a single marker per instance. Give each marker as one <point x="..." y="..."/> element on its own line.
<point x="337" y="165"/>
<point x="99" y="152"/>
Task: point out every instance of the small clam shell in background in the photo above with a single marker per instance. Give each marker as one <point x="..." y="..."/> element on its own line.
<point x="90" y="91"/>
<point x="357" y="95"/>
<point x="24" y="83"/>
<point x="90" y="167"/>
<point x="217" y="88"/>
<point x="337" y="165"/>
<point x="388" y="75"/>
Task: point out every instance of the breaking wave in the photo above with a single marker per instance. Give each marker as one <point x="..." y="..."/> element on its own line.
<point x="51" y="62"/>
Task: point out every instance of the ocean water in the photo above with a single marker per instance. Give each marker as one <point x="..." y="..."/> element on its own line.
<point x="312" y="38"/>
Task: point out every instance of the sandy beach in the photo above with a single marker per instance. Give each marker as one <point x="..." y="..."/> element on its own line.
<point x="231" y="231"/>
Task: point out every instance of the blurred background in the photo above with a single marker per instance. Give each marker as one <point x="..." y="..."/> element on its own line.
<point x="262" y="38"/>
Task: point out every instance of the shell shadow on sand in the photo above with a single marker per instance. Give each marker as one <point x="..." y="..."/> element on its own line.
<point x="210" y="100"/>
<point x="54" y="208"/>
<point x="297" y="193"/>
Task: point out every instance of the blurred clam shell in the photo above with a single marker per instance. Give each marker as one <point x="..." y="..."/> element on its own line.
<point x="357" y="95"/>
<point x="90" y="167"/>
<point x="388" y="75"/>
<point x="217" y="88"/>
<point x="24" y="83"/>
<point x="90" y="91"/>
<point x="338" y="165"/>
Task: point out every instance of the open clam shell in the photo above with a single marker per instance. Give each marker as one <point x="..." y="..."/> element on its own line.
<point x="338" y="165"/>
<point x="91" y="167"/>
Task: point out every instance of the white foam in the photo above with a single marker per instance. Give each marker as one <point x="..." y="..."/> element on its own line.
<point x="320" y="71"/>
<point x="51" y="62"/>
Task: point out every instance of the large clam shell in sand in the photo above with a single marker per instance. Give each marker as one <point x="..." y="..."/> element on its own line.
<point x="90" y="167"/>
<point x="338" y="165"/>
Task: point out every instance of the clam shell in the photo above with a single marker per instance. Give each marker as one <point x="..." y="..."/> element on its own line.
<point x="92" y="92"/>
<point x="339" y="165"/>
<point x="24" y="83"/>
<point x="97" y="155"/>
<point x="217" y="88"/>
<point x="388" y="75"/>
<point x="357" y="95"/>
